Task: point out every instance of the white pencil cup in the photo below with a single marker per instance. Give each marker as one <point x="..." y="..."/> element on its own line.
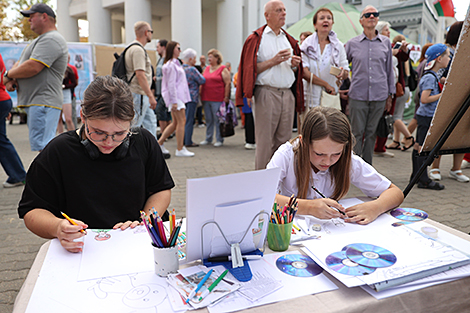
<point x="166" y="260"/>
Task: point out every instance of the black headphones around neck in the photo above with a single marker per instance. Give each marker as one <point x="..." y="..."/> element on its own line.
<point x="119" y="153"/>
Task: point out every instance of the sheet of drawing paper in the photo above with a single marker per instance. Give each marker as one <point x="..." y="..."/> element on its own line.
<point x="234" y="199"/>
<point x="292" y="286"/>
<point x="118" y="252"/>
<point x="57" y="289"/>
<point x="400" y="290"/>
<point x="336" y="226"/>
<point x="413" y="255"/>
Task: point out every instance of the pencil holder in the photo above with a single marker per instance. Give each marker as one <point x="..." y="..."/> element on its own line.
<point x="279" y="236"/>
<point x="166" y="260"/>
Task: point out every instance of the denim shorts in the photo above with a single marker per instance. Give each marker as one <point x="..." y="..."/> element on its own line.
<point x="162" y="111"/>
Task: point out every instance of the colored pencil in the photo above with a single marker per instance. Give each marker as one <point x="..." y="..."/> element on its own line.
<point x="72" y="222"/>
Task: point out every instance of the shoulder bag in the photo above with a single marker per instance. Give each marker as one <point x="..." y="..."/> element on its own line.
<point x="327" y="100"/>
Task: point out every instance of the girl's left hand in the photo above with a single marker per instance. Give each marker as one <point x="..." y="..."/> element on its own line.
<point x="362" y="214"/>
<point x="174" y="107"/>
<point x="125" y="225"/>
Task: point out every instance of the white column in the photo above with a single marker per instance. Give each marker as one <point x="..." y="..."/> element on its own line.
<point x="66" y="24"/>
<point x="99" y="20"/>
<point x="186" y="24"/>
<point x="136" y="10"/>
<point x="230" y="31"/>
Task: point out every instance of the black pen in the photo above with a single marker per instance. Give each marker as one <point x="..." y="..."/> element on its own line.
<point x="321" y="195"/>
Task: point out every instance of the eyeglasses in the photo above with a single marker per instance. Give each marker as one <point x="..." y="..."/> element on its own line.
<point x="150" y="30"/>
<point x="101" y="136"/>
<point x="368" y="14"/>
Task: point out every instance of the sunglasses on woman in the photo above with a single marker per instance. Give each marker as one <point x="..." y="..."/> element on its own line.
<point x="368" y="14"/>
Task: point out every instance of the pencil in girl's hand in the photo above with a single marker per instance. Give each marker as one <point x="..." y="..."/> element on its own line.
<point x="321" y="195"/>
<point x="72" y="222"/>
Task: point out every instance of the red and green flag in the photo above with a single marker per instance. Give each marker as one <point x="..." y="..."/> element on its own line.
<point x="444" y="7"/>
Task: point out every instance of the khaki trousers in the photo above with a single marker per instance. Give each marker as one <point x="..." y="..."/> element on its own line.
<point x="274" y="115"/>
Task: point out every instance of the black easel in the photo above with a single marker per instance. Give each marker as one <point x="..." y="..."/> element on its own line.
<point x="435" y="152"/>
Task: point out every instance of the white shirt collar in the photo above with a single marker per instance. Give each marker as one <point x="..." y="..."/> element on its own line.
<point x="268" y="30"/>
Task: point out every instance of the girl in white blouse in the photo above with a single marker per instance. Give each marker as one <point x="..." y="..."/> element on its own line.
<point x="321" y="157"/>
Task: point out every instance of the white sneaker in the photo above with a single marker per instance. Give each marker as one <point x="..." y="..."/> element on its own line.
<point x="459" y="176"/>
<point x="465" y="164"/>
<point x="12" y="185"/>
<point x="164" y="150"/>
<point x="384" y="154"/>
<point x="250" y="146"/>
<point x="204" y="143"/>
<point x="435" y="174"/>
<point x="201" y="126"/>
<point x="218" y="144"/>
<point x="184" y="153"/>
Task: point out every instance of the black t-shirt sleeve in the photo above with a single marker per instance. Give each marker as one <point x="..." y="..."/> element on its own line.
<point x="44" y="188"/>
<point x="157" y="175"/>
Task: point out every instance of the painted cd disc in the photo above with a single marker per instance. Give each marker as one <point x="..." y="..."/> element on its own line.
<point x="339" y="262"/>
<point x="409" y="214"/>
<point x="369" y="255"/>
<point x="298" y="265"/>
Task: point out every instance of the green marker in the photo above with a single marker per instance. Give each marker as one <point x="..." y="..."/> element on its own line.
<point x="214" y="284"/>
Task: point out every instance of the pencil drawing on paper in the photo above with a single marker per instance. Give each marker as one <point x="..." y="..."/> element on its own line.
<point x="102" y="234"/>
<point x="141" y="297"/>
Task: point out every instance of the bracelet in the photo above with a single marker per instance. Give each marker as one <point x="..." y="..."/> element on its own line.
<point x="294" y="68"/>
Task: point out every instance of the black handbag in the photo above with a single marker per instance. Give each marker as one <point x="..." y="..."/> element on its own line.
<point x="413" y="78"/>
<point x="385" y="126"/>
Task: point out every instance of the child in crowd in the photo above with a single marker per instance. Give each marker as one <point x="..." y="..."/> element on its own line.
<point x="321" y="157"/>
<point x="437" y="57"/>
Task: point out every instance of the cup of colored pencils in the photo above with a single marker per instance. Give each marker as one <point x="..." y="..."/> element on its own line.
<point x="165" y="249"/>
<point x="280" y="225"/>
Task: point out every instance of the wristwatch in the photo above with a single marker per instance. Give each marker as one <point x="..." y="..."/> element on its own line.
<point x="6" y="79"/>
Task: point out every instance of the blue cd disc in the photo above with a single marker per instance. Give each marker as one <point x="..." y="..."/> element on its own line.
<point x="298" y="265"/>
<point x="339" y="262"/>
<point x="409" y="214"/>
<point x="369" y="255"/>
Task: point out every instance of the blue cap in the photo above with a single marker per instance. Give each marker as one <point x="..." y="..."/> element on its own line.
<point x="434" y="51"/>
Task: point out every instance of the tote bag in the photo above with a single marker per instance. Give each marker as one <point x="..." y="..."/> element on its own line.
<point x="327" y="100"/>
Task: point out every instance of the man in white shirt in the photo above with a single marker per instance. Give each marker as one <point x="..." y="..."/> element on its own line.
<point x="139" y="69"/>
<point x="270" y="71"/>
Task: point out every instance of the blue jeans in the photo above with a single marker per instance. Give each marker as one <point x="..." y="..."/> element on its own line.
<point x="144" y="115"/>
<point x="210" y="112"/>
<point x="42" y="124"/>
<point x="188" y="127"/>
<point x="9" y="158"/>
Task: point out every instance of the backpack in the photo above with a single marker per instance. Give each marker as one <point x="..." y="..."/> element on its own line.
<point x="119" y="66"/>
<point x="413" y="78"/>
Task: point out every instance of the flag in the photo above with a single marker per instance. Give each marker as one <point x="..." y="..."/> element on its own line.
<point x="444" y="7"/>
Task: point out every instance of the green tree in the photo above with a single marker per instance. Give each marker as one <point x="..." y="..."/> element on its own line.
<point x="21" y="22"/>
<point x="5" y="29"/>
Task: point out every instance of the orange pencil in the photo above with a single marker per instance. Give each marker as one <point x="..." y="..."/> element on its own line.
<point x="72" y="222"/>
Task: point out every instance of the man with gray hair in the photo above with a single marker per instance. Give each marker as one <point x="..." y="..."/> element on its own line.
<point x="139" y="72"/>
<point x="372" y="82"/>
<point x="195" y="79"/>
<point x="270" y="71"/>
<point x="38" y="76"/>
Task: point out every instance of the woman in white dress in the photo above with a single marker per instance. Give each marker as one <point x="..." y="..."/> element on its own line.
<point x="321" y="51"/>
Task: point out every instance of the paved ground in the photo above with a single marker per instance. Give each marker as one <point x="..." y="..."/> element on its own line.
<point x="18" y="246"/>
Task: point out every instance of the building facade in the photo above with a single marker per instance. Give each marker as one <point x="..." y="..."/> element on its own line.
<point x="223" y="24"/>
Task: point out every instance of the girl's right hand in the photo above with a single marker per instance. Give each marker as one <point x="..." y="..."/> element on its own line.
<point x="68" y="233"/>
<point x="326" y="208"/>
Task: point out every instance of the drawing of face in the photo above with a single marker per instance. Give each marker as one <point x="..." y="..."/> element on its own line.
<point x="144" y="296"/>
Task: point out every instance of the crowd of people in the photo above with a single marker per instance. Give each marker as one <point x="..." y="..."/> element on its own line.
<point x="336" y="92"/>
